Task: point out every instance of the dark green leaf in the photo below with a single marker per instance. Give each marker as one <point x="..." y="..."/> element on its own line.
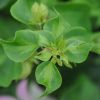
<point x="8" y="27"/>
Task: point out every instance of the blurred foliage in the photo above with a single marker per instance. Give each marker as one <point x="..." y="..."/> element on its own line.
<point x="8" y="26"/>
<point x="4" y="3"/>
<point x="95" y="8"/>
<point x="8" y="70"/>
<point x="96" y="39"/>
<point x="75" y="14"/>
<point x="82" y="89"/>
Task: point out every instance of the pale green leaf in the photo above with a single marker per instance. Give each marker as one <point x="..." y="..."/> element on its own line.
<point x="23" y="46"/>
<point x="21" y="11"/>
<point x="80" y="32"/>
<point x="48" y="75"/>
<point x="77" y="50"/>
<point x="44" y="55"/>
<point x="31" y="12"/>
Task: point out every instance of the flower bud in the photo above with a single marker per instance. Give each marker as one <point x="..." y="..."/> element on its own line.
<point x="39" y="12"/>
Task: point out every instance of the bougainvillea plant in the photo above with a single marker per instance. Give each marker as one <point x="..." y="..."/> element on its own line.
<point x="49" y="42"/>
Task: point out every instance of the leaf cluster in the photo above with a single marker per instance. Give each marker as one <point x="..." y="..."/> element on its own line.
<point x="53" y="38"/>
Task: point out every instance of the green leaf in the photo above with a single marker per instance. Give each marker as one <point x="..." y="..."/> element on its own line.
<point x="21" y="11"/>
<point x="82" y="89"/>
<point x="35" y="13"/>
<point x="75" y="16"/>
<point x="44" y="55"/>
<point x="9" y="70"/>
<point x="96" y="42"/>
<point x="77" y="50"/>
<point x="79" y="44"/>
<point x="23" y="46"/>
<point x="64" y="58"/>
<point x="48" y="75"/>
<point x="79" y="32"/>
<point x="45" y="37"/>
<point x="56" y="26"/>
